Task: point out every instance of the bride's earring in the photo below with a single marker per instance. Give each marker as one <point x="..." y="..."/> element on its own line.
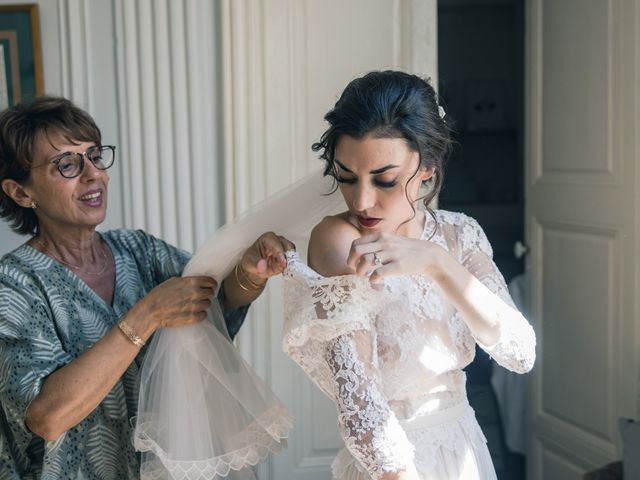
<point x="33" y="205"/>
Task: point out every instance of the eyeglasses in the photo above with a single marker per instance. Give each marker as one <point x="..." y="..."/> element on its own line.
<point x="71" y="164"/>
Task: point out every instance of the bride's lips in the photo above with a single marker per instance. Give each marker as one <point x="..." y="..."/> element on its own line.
<point x="368" y="222"/>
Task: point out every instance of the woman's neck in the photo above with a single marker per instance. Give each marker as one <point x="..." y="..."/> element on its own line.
<point x="74" y="248"/>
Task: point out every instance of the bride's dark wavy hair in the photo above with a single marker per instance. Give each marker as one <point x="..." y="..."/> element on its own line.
<point x="390" y="104"/>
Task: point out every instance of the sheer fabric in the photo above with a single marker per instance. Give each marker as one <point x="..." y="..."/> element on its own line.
<point x="202" y="411"/>
<point x="391" y="358"/>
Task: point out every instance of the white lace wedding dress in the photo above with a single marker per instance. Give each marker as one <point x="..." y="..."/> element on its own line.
<point x="391" y="359"/>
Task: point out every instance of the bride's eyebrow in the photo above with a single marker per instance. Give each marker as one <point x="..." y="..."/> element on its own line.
<point x="377" y="171"/>
<point x="343" y="167"/>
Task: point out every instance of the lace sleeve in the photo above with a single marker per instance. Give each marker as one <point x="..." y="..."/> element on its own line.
<point x="329" y="332"/>
<point x="515" y="349"/>
<point x="367" y="425"/>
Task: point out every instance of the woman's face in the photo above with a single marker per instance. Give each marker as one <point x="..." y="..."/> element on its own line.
<point x="373" y="175"/>
<point x="79" y="202"/>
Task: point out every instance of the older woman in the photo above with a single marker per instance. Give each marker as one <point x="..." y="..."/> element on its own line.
<point x="77" y="305"/>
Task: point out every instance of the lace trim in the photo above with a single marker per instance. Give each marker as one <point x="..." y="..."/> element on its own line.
<point x="317" y="310"/>
<point x="267" y="434"/>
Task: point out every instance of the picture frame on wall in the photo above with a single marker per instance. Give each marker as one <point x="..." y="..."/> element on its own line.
<point x="21" y="75"/>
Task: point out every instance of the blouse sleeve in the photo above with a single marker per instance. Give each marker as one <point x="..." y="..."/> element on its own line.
<point x="515" y="349"/>
<point x="329" y="332"/>
<point x="30" y="351"/>
<point x="168" y="261"/>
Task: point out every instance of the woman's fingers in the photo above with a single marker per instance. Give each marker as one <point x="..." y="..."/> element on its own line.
<point x="182" y="301"/>
<point x="380" y="255"/>
<point x="286" y="243"/>
<point x="382" y="271"/>
<point x="272" y="250"/>
<point x="266" y="257"/>
<point x="364" y="247"/>
<point x="366" y="264"/>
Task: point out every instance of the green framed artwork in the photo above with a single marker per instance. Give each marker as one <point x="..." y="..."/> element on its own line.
<point x="20" y="54"/>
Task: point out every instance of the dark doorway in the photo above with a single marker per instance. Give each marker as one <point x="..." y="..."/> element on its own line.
<point x="481" y="83"/>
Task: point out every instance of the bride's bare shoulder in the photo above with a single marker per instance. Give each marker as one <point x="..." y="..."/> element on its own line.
<point x="329" y="245"/>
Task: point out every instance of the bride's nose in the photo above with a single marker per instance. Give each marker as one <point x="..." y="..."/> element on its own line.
<point x="364" y="197"/>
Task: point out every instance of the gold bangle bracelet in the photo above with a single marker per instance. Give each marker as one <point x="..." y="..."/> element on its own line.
<point x="245" y="274"/>
<point x="235" y="273"/>
<point x="130" y="334"/>
<point x="252" y="285"/>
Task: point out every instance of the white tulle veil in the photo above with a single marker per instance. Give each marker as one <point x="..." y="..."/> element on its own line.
<point x="203" y="413"/>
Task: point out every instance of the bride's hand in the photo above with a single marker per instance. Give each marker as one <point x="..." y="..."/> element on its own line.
<point x="385" y="254"/>
<point x="265" y="258"/>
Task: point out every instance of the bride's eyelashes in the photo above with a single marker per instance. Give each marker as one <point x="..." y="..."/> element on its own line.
<point x="349" y="181"/>
<point x="379" y="183"/>
<point x="389" y="184"/>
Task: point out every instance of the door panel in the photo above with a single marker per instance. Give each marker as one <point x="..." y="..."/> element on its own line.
<point x="558" y="466"/>
<point x="565" y="314"/>
<point x="581" y="196"/>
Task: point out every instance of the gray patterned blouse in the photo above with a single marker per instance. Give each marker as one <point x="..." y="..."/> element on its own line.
<point x="48" y="317"/>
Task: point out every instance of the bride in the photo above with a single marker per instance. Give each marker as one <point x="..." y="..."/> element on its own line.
<point x="394" y="298"/>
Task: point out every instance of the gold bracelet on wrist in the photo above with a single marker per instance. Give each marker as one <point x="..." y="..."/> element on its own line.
<point x="252" y="285"/>
<point x="130" y="334"/>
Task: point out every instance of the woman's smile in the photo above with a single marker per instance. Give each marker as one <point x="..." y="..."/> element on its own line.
<point x="93" y="198"/>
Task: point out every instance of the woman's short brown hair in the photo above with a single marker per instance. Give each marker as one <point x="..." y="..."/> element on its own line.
<point x="21" y="127"/>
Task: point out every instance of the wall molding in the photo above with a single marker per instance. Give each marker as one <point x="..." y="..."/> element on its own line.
<point x="74" y="51"/>
<point x="168" y="99"/>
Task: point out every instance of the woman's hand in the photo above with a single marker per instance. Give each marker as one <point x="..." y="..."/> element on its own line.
<point x="385" y="254"/>
<point x="265" y="258"/>
<point x="176" y="302"/>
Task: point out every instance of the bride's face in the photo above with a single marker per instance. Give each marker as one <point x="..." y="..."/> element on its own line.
<point x="377" y="177"/>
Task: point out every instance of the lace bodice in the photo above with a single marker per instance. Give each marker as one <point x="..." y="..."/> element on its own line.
<point x="395" y="351"/>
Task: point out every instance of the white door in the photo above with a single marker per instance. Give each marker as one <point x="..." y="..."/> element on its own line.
<point x="581" y="203"/>
<point x="285" y="63"/>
